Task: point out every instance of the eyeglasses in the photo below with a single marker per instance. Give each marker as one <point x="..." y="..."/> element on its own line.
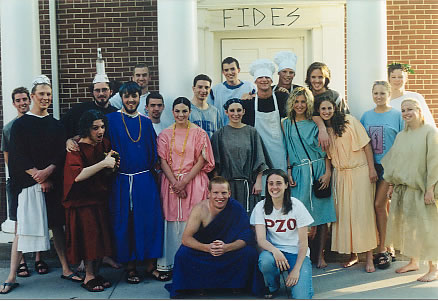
<point x="103" y="90"/>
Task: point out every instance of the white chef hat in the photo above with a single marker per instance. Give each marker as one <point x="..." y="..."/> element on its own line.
<point x="262" y="67"/>
<point x="40" y="79"/>
<point x="101" y="76"/>
<point x="286" y="60"/>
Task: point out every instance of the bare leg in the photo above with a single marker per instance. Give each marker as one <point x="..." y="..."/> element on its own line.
<point x="411" y="266"/>
<point x="89" y="275"/>
<point x="58" y="240"/>
<point x="369" y="268"/>
<point x="322" y="229"/>
<point x="353" y="260"/>
<point x="431" y="275"/>
<point x="381" y="208"/>
<point x="15" y="261"/>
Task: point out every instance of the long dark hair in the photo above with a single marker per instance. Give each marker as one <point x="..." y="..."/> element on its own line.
<point x="87" y="119"/>
<point x="338" y="119"/>
<point x="287" y="203"/>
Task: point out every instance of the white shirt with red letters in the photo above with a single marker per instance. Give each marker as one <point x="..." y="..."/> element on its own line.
<point x="282" y="229"/>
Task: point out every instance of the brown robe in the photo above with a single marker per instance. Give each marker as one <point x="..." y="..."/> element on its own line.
<point x="86" y="205"/>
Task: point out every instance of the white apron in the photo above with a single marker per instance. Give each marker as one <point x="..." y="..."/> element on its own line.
<point x="269" y="128"/>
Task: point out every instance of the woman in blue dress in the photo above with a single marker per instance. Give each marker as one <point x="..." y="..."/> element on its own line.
<point x="303" y="171"/>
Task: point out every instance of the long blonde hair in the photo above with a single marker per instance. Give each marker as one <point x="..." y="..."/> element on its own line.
<point x="293" y="98"/>
<point x="417" y="106"/>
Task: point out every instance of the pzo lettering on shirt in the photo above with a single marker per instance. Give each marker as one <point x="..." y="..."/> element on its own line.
<point x="283" y="224"/>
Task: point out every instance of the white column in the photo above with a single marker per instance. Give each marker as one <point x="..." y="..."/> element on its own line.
<point x="177" y="50"/>
<point x="366" y="51"/>
<point x="20" y="53"/>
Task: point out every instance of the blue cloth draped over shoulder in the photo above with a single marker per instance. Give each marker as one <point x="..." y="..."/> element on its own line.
<point x="322" y="210"/>
<point x="195" y="269"/>
<point x="134" y="204"/>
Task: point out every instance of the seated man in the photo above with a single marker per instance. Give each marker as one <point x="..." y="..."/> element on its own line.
<point x="218" y="246"/>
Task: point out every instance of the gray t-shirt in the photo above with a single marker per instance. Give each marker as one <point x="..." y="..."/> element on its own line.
<point x="6" y="135"/>
<point x="209" y="120"/>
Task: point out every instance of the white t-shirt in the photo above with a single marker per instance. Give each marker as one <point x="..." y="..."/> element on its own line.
<point x="428" y="117"/>
<point x="116" y="101"/>
<point x="158" y="127"/>
<point x="282" y="230"/>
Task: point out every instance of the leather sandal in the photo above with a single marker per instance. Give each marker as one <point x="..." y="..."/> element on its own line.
<point x="41" y="267"/>
<point x="92" y="285"/>
<point x="22" y="268"/>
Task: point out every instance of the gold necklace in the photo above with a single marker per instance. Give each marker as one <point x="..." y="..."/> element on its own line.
<point x="172" y="147"/>
<point x="127" y="131"/>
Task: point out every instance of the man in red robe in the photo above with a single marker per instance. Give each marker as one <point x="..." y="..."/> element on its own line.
<point x="87" y="176"/>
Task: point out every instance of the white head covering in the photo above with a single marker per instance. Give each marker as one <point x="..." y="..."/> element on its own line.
<point x="40" y="79"/>
<point x="286" y="60"/>
<point x="262" y="67"/>
<point x="101" y="76"/>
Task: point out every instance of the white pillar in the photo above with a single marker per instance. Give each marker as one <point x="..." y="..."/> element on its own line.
<point x="20" y="53"/>
<point x="366" y="51"/>
<point x="177" y="50"/>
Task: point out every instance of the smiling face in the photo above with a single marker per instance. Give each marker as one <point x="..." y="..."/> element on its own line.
<point x="381" y="95"/>
<point x="263" y="83"/>
<point x="410" y="113"/>
<point x="300" y="106"/>
<point x="398" y="79"/>
<point x="181" y="114"/>
<point x="326" y="110"/>
<point x="155" y="108"/>
<point x="21" y="103"/>
<point x="317" y="82"/>
<point x="218" y="195"/>
<point x="101" y="94"/>
<point x="285" y="77"/>
<point x="201" y="90"/>
<point x="231" y="72"/>
<point x="42" y="98"/>
<point x="276" y="186"/>
<point x="96" y="131"/>
<point x="235" y="112"/>
<point x="141" y="77"/>
<point x="130" y="102"/>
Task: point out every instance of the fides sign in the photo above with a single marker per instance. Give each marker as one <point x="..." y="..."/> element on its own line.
<point x="234" y="18"/>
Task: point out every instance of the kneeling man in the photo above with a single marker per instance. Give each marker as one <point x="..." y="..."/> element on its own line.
<point x="218" y="246"/>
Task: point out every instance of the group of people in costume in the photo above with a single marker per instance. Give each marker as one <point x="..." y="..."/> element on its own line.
<point x="238" y="186"/>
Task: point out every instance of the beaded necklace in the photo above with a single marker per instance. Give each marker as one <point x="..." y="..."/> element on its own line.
<point x="127" y="131"/>
<point x="172" y="147"/>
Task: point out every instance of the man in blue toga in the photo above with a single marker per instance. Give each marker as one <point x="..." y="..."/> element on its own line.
<point x="134" y="205"/>
<point x="218" y="246"/>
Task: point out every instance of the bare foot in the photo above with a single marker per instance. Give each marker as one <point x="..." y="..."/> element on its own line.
<point x="109" y="261"/>
<point x="431" y="276"/>
<point x="353" y="260"/>
<point x="81" y="267"/>
<point x="407" y="268"/>
<point x="321" y="263"/>
<point x="369" y="268"/>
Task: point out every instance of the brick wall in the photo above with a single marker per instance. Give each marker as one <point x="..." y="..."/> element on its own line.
<point x="125" y="30"/>
<point x="413" y="39"/>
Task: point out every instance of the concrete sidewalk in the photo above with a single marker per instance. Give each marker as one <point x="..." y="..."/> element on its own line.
<point x="333" y="282"/>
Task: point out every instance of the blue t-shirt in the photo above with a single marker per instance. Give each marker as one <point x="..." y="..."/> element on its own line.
<point x="382" y="128"/>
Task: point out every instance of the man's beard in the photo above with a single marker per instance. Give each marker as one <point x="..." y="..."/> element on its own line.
<point x="130" y="111"/>
<point x="101" y="103"/>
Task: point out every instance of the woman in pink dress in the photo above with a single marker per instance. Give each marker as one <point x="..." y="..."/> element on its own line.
<point x="186" y="158"/>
